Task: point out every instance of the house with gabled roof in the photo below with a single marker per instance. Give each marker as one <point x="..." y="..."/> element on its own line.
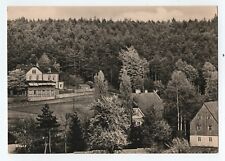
<point x="145" y="102"/>
<point x="43" y="83"/>
<point x="204" y="126"/>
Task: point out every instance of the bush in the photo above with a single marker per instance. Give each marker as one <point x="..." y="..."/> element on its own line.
<point x="179" y="145"/>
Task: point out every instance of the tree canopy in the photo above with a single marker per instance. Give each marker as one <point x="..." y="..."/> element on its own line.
<point x="90" y="45"/>
<point x="108" y="127"/>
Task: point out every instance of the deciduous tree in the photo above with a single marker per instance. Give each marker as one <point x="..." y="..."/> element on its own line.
<point x="108" y="127"/>
<point x="100" y="85"/>
<point x="135" y="66"/>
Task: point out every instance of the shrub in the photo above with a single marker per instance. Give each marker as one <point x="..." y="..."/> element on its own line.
<point x="179" y="145"/>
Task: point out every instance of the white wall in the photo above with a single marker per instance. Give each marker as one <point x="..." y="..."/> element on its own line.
<point x="34" y="76"/>
<point x="204" y="141"/>
<point x="50" y="76"/>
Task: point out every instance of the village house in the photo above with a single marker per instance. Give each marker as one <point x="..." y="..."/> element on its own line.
<point x="143" y="103"/>
<point x="43" y="83"/>
<point x="204" y="126"/>
<point x="137" y="117"/>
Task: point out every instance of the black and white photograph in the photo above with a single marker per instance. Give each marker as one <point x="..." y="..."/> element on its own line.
<point x="112" y="79"/>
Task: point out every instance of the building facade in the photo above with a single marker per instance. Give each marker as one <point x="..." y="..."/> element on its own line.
<point x="204" y="126"/>
<point x="43" y="84"/>
<point x="137" y="117"/>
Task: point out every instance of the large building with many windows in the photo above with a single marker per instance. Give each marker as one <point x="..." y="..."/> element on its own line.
<point x="43" y="83"/>
<point x="204" y="126"/>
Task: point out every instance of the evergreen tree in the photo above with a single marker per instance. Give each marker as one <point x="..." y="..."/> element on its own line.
<point x="76" y="140"/>
<point x="48" y="125"/>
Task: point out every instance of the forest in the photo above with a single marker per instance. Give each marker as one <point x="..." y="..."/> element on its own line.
<point x="83" y="47"/>
<point x="177" y="59"/>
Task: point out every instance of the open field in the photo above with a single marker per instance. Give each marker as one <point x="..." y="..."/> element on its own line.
<point x="60" y="108"/>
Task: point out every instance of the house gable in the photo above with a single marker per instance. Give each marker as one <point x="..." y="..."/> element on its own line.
<point x="205" y="122"/>
<point x="34" y="74"/>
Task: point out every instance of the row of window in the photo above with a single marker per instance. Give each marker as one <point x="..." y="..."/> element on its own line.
<point x="200" y="139"/>
<point x="200" y="117"/>
<point x="198" y="127"/>
<point x="42" y="92"/>
<point x="37" y="77"/>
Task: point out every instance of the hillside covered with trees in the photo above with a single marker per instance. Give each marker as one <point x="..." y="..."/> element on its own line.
<point x="83" y="47"/>
<point x="176" y="59"/>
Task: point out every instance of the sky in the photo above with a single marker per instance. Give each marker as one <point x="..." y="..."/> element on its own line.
<point x="141" y="13"/>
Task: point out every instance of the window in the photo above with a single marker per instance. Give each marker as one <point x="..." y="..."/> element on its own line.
<point x="30" y="77"/>
<point x="53" y="78"/>
<point x="34" y="92"/>
<point x="210" y="139"/>
<point x="199" y="139"/>
<point x="138" y="123"/>
<point x="198" y="127"/>
<point x="210" y="127"/>
<point x="33" y="71"/>
<point x="49" y="77"/>
<point x="208" y="117"/>
<point x="37" y="77"/>
<point x="199" y="117"/>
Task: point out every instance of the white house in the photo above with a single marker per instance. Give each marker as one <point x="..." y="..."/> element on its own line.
<point x="43" y="83"/>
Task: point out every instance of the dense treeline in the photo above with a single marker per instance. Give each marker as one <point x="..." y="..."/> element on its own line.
<point x="93" y="45"/>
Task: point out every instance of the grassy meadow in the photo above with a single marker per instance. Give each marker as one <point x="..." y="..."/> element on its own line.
<point x="60" y="107"/>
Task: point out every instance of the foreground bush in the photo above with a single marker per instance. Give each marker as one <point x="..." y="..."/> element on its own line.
<point x="179" y="145"/>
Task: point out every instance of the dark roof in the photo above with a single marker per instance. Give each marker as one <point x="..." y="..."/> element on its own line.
<point x="212" y="107"/>
<point x="50" y="69"/>
<point x="147" y="101"/>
